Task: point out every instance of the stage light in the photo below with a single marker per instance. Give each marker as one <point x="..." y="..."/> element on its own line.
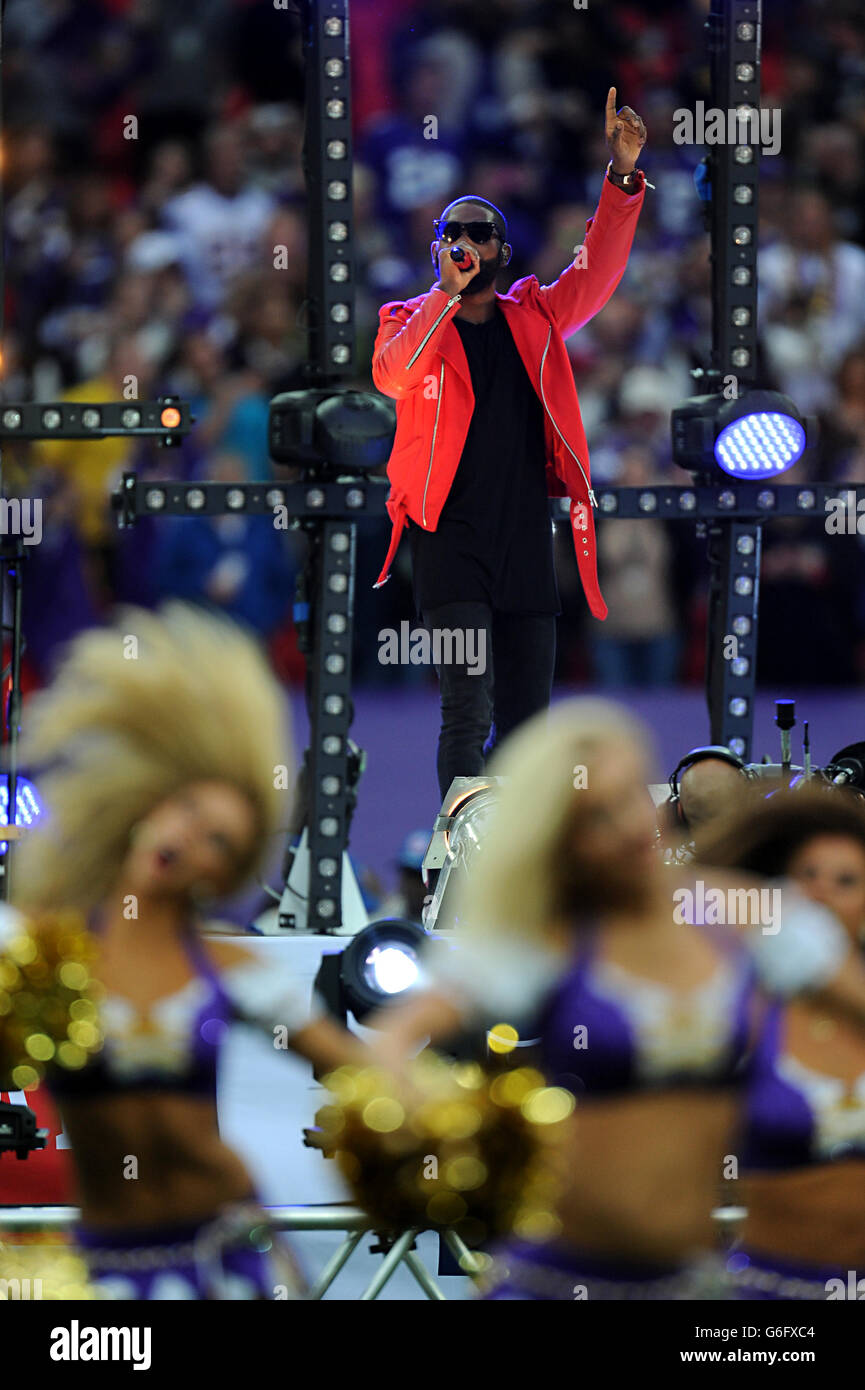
<point x="379" y="967"/>
<point x="753" y="436"/>
<point x="235" y="499"/>
<point x="28" y="807"/>
<point x="195" y="499"/>
<point x="806" y="499"/>
<point x="154" y="499"/>
<point x="460" y="828"/>
<point x="164" y="420"/>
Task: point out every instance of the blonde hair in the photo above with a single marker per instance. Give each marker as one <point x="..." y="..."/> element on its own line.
<point x="517" y="874"/>
<point x="137" y="711"/>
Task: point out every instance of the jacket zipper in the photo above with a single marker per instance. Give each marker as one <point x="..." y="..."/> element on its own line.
<point x="592" y="498"/>
<point x="433" y="445"/>
<point x="430" y="331"/>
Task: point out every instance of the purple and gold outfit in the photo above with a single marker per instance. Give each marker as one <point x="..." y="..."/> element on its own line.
<point x="794" y="1117"/>
<point x="177" y="1052"/>
<point x="641" y="1036"/>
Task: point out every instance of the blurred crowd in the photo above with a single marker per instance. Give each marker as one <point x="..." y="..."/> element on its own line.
<point x="152" y="164"/>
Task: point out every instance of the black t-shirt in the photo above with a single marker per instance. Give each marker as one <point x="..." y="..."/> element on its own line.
<point x="493" y="542"/>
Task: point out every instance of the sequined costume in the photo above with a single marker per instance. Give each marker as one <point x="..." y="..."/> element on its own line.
<point x="643" y="1036"/>
<point x="175" y="1049"/>
<point x="794" y="1117"/>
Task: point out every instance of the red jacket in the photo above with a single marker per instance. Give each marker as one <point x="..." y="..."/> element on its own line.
<point x="418" y="358"/>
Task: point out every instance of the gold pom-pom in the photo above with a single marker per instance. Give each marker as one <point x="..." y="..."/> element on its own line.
<point x="447" y="1146"/>
<point x="38" y="1270"/>
<point x="49" y="1013"/>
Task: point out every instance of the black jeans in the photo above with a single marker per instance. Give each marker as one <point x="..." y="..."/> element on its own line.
<point x="482" y="701"/>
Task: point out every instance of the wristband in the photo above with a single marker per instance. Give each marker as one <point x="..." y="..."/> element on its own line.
<point x="629" y="183"/>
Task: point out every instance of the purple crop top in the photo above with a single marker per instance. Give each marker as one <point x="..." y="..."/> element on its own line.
<point x="176" y="1050"/>
<point x="604" y="1030"/>
<point x="795" y="1116"/>
<point x="174" y="1045"/>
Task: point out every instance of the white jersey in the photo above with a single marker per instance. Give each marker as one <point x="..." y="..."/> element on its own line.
<point x="219" y="236"/>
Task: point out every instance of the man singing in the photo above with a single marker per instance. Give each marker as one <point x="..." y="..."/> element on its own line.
<point x="488" y="427"/>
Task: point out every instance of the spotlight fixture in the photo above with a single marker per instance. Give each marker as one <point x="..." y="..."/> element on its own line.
<point x="350" y="432"/>
<point x="756" y="436"/>
<point x="378" y="967"/>
<point x="459" y="830"/>
<point x="28" y="807"/>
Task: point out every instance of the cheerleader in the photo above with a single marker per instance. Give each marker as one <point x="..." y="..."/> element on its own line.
<point x="567" y="934"/>
<point x="803" y="1147"/>
<point x="162" y="741"/>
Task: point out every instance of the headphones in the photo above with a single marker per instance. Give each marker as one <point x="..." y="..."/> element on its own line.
<point x="672" y="808"/>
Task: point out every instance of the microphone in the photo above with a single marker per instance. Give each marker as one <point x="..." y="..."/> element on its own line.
<point x="462" y="257"/>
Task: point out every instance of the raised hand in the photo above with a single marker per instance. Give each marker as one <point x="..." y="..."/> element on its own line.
<point x="626" y="135"/>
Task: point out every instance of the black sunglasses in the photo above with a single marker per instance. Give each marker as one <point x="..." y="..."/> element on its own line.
<point x="477" y="231"/>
